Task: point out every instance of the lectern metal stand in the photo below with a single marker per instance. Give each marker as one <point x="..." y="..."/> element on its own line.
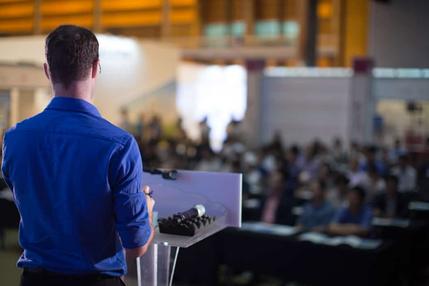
<point x="154" y="267"/>
<point x="157" y="266"/>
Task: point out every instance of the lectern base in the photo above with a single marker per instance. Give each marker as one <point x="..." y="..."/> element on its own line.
<point x="156" y="267"/>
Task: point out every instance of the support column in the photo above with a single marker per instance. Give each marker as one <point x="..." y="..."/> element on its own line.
<point x="197" y="26"/>
<point x="166" y="19"/>
<point x="37" y="18"/>
<point x="249" y="17"/>
<point x="252" y="123"/>
<point x="362" y="103"/>
<point x="312" y="31"/>
<point x="355" y="28"/>
<point x="96" y="16"/>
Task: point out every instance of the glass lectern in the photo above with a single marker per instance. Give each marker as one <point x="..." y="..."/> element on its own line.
<point x="220" y="193"/>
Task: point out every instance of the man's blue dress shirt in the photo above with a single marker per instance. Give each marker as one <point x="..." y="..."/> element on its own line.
<point x="77" y="181"/>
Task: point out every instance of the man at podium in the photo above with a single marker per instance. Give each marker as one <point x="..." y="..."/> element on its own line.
<point x="76" y="178"/>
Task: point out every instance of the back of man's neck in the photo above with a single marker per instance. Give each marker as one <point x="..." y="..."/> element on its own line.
<point x="56" y="94"/>
<point x="77" y="90"/>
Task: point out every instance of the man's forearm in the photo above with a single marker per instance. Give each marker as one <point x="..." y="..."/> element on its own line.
<point x="152" y="235"/>
<point x="133" y="253"/>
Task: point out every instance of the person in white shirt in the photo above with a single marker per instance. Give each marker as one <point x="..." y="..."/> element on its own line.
<point x="356" y="176"/>
<point x="406" y="174"/>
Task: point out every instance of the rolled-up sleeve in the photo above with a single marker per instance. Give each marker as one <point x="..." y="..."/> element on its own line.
<point x="126" y="174"/>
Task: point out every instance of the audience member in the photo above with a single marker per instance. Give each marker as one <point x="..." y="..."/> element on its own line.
<point x="154" y="129"/>
<point x="312" y="163"/>
<point x="390" y="203"/>
<point x="397" y="151"/>
<point x="371" y="159"/>
<point x="292" y="167"/>
<point x="355" y="219"/>
<point x="339" y="155"/>
<point x="140" y="126"/>
<point x="317" y="213"/>
<point x="125" y="120"/>
<point x="356" y="175"/>
<point x="273" y="203"/>
<point x="406" y="174"/>
<point x="205" y="132"/>
<point x="337" y="196"/>
<point x="376" y="184"/>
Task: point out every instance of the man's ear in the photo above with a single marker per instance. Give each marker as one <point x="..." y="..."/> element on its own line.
<point x="46" y="68"/>
<point x="95" y="67"/>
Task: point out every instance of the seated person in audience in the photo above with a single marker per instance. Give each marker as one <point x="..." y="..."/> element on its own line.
<point x="391" y="203"/>
<point x="406" y="173"/>
<point x="370" y="153"/>
<point x="273" y="202"/>
<point x="317" y="213"/>
<point x="356" y="176"/>
<point x="376" y="184"/>
<point x="355" y="219"/>
<point x="423" y="177"/>
<point x="337" y="196"/>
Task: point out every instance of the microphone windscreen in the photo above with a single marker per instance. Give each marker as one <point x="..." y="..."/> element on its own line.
<point x="200" y="209"/>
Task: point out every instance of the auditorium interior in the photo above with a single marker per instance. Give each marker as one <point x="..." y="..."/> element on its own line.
<point x="321" y="105"/>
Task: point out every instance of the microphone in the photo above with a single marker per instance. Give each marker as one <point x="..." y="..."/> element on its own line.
<point x="186" y="223"/>
<point x="196" y="211"/>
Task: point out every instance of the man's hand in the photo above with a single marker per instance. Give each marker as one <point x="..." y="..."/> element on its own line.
<point x="150" y="202"/>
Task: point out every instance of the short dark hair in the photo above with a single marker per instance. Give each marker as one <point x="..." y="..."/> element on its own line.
<point x="392" y="178"/>
<point x="341" y="179"/>
<point x="70" y="52"/>
<point x="372" y="168"/>
<point x="360" y="191"/>
<point x="322" y="184"/>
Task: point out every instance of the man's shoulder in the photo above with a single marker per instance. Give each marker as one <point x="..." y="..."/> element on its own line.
<point x="113" y="132"/>
<point x="25" y="124"/>
<point x="96" y="128"/>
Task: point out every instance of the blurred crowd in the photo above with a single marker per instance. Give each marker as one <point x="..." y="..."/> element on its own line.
<point x="332" y="188"/>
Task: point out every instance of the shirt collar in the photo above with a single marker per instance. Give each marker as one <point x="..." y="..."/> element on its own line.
<point x="73" y="105"/>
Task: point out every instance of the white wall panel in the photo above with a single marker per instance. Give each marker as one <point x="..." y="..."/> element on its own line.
<point x="303" y="109"/>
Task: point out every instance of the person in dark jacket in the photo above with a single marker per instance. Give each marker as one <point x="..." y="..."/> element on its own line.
<point x="391" y="203"/>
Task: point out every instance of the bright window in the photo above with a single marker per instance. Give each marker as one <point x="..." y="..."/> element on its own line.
<point x="217" y="93"/>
